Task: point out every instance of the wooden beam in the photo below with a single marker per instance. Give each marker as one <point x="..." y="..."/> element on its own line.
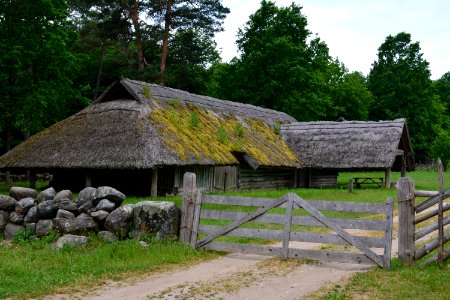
<point x="406" y="203"/>
<point x="88" y="182"/>
<point x="187" y="209"/>
<point x="154" y="189"/>
<point x="387" y="178"/>
<point x="441" y="237"/>
<point x="32" y="180"/>
<point x="287" y="227"/>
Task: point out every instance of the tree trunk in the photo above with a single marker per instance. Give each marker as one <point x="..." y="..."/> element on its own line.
<point x="8" y="147"/>
<point x="133" y="12"/>
<point x="165" y="44"/>
<point x="99" y="71"/>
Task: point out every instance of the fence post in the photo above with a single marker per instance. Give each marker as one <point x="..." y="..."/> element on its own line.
<point x="187" y="209"/>
<point x="350" y="185"/>
<point x="440" y="254"/>
<point x="406" y="211"/>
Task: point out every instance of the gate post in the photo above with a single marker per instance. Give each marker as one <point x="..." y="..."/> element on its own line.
<point x="406" y="211"/>
<point x="187" y="208"/>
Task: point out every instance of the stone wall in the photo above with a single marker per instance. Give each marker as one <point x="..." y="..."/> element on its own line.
<point x="98" y="210"/>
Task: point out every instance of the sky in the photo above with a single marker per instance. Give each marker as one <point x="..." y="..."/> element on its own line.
<point x="354" y="30"/>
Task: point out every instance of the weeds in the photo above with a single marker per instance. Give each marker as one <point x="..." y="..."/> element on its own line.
<point x="222" y="135"/>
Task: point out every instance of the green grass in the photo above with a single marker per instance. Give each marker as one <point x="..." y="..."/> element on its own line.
<point x="34" y="269"/>
<point x="397" y="283"/>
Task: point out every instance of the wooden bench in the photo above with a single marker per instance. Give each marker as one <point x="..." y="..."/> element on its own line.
<point x="378" y="181"/>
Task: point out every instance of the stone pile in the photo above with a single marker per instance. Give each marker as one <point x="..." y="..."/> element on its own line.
<point x="96" y="210"/>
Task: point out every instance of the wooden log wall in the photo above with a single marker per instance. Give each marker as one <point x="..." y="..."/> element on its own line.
<point x="265" y="178"/>
<point x="323" y="178"/>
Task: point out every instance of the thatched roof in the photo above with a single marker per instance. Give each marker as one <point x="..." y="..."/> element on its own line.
<point x="139" y="125"/>
<point x="350" y="145"/>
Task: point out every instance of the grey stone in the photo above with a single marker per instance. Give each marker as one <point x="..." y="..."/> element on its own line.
<point x="45" y="195"/>
<point x="32" y="215"/>
<point x="106" y="192"/>
<point x="64" y="194"/>
<point x="67" y="204"/>
<point x="100" y="215"/>
<point x="86" y="195"/>
<point x="120" y="220"/>
<point x="7" y="203"/>
<point x="108" y="236"/>
<point x="84" y="216"/>
<point x="160" y="219"/>
<point x="19" y="193"/>
<point x="47" y="209"/>
<point x="64" y="214"/>
<point x="4" y="215"/>
<point x="23" y="205"/>
<point x="70" y="240"/>
<point x="143" y="244"/>
<point x="31" y="226"/>
<point x="86" y="207"/>
<point x="11" y="230"/>
<point x="44" y="227"/>
<point x="75" y="226"/>
<point x="16" y="218"/>
<point x="106" y="205"/>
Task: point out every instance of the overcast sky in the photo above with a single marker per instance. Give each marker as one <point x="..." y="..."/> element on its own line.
<point x="353" y="30"/>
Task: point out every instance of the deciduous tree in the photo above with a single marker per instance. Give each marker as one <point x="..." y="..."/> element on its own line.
<point x="400" y="82"/>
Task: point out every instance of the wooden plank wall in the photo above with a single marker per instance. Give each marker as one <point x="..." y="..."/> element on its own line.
<point x="225" y="178"/>
<point x="323" y="178"/>
<point x="265" y="178"/>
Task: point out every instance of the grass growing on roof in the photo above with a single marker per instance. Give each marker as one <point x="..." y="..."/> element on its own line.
<point x="216" y="135"/>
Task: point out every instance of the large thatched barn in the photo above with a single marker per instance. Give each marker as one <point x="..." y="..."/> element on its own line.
<point x="142" y="137"/>
<point x="326" y="148"/>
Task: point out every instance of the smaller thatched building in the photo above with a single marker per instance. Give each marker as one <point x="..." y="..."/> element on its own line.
<point x="326" y="148"/>
<point x="142" y="137"/>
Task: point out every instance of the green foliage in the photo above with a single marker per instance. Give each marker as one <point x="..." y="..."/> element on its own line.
<point x="282" y="68"/>
<point x="147" y="92"/>
<point x="402" y="88"/>
<point x="38" y="76"/>
<point x="240" y="130"/>
<point x="277" y="127"/>
<point x="23" y="236"/>
<point x="194" y="120"/>
<point x="442" y="86"/>
<point x="222" y="135"/>
<point x="441" y="148"/>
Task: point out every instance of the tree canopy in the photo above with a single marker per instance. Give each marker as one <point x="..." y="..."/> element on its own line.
<point x="401" y="85"/>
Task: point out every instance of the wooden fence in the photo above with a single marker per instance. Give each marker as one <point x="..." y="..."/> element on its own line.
<point x="423" y="228"/>
<point x="295" y="212"/>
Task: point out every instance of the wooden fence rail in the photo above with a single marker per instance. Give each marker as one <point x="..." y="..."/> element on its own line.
<point x="291" y="210"/>
<point x="411" y="247"/>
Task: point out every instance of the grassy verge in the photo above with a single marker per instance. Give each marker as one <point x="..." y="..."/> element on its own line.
<point x="33" y="269"/>
<point x="397" y="283"/>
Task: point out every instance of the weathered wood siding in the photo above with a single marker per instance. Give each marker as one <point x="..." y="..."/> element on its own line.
<point x="225" y="178"/>
<point x="323" y="178"/>
<point x="265" y="178"/>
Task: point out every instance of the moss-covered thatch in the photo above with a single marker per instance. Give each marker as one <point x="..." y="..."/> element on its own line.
<point x="350" y="145"/>
<point x="135" y="125"/>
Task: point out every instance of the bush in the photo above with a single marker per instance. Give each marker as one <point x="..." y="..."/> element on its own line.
<point x="441" y="148"/>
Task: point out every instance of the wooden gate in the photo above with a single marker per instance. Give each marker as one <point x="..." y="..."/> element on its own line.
<point x="210" y="218"/>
